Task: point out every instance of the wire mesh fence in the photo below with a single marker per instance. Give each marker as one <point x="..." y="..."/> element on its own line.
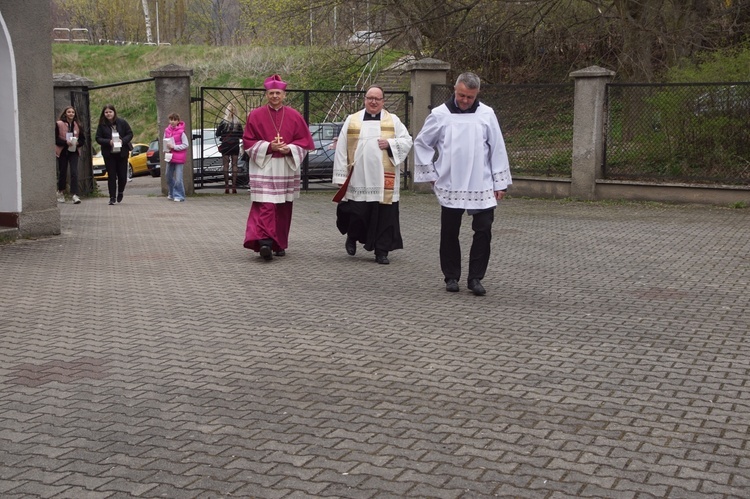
<point x="139" y="112"/>
<point x="689" y="133"/>
<point x="537" y="125"/>
<point x="324" y="110"/>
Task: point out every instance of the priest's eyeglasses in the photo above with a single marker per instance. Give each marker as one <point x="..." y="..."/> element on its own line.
<point x="374" y="99"/>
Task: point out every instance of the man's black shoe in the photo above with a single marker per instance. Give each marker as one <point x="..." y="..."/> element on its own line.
<point x="476" y="287"/>
<point x="382" y="259"/>
<point x="351" y="246"/>
<point x="451" y="285"/>
<point x="266" y="253"/>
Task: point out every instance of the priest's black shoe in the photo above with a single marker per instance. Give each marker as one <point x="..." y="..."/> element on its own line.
<point x="476" y="287"/>
<point x="351" y="246"/>
<point x="451" y="285"/>
<point x="382" y="259"/>
<point x="265" y="252"/>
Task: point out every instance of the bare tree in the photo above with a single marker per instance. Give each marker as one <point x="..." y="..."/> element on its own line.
<point x="504" y="40"/>
<point x="147" y="17"/>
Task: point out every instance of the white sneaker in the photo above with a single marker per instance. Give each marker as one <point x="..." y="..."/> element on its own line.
<point x="178" y="200"/>
<point x="76" y="199"/>
<point x="60" y="197"/>
<point x="170" y="198"/>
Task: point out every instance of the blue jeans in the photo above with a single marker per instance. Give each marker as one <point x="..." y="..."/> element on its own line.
<point x="175" y="185"/>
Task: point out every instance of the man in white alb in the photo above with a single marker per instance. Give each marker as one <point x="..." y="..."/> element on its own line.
<point x="471" y="173"/>
<point x="371" y="146"/>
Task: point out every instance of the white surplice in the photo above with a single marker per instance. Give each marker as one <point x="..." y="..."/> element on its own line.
<point x="367" y="182"/>
<point x="472" y="162"/>
<point x="274" y="180"/>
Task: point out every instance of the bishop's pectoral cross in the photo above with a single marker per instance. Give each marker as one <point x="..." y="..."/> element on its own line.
<point x="279" y="139"/>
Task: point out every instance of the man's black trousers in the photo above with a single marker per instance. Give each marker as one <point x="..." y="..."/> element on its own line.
<point x="450" y="247"/>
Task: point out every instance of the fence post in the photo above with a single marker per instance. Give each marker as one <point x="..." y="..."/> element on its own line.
<point x="589" y="120"/>
<point x="172" y="83"/>
<point x="424" y="74"/>
<point x="63" y="85"/>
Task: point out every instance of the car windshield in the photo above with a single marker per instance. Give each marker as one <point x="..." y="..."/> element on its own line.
<point x="323" y="131"/>
<point x="209" y="136"/>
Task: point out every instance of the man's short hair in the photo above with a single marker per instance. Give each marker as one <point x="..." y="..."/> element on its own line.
<point x="469" y="79"/>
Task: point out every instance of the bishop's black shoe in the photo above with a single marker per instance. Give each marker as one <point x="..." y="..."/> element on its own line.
<point x="351" y="246"/>
<point x="280" y="253"/>
<point x="265" y="252"/>
<point x="476" y="287"/>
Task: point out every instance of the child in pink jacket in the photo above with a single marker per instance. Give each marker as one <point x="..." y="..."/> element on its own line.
<point x="175" y="146"/>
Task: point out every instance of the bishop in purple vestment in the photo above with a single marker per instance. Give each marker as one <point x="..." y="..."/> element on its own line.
<point x="276" y="139"/>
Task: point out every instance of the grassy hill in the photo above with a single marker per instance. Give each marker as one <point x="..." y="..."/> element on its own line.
<point x="303" y="67"/>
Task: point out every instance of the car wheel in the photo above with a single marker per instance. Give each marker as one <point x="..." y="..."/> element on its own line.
<point x="155" y="173"/>
<point x="130" y="172"/>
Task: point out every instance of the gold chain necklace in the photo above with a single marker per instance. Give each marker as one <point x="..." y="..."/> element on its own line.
<point x="278" y="139"/>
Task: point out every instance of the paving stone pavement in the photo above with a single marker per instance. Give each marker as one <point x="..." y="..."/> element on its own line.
<point x="145" y="353"/>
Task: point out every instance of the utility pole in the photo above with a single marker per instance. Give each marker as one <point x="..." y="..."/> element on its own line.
<point x="158" y="40"/>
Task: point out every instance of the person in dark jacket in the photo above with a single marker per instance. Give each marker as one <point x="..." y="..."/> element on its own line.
<point x="230" y="132"/>
<point x="114" y="136"/>
<point x="69" y="138"/>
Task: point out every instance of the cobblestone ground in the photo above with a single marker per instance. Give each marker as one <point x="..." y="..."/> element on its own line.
<point x="146" y="353"/>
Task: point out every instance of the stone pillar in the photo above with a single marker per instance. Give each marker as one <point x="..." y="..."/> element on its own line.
<point x="424" y="74"/>
<point x="173" y="96"/>
<point x="27" y="169"/>
<point x="62" y="85"/>
<point x="588" y="129"/>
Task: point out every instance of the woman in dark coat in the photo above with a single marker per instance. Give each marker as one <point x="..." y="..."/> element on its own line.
<point x="115" y="136"/>
<point x="230" y="132"/>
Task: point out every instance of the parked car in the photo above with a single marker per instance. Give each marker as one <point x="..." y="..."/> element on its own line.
<point x="320" y="161"/>
<point x="209" y="168"/>
<point x="369" y="38"/>
<point x="100" y="171"/>
<point x="726" y="100"/>
<point x="136" y="163"/>
<point x="152" y="158"/>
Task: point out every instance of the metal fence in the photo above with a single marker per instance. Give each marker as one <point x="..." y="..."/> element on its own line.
<point x="120" y="95"/>
<point x="689" y="133"/>
<point x="537" y="125"/>
<point x="324" y="110"/>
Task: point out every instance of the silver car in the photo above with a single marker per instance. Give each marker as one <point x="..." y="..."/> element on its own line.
<point x="207" y="162"/>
